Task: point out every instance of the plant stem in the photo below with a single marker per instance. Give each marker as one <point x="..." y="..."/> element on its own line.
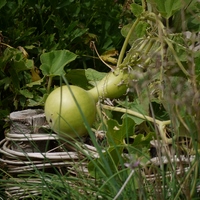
<point x="177" y="59"/>
<point x="134" y="113"/>
<point x="144" y="5"/>
<point x="49" y="84"/>
<point x="122" y="52"/>
<point x="161" y="124"/>
<point x="185" y="179"/>
<point x="2" y="43"/>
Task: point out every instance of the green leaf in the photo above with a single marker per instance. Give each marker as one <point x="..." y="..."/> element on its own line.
<point x="110" y="159"/>
<point x="26" y="93"/>
<point x="77" y="33"/>
<point x="124" y="31"/>
<point x="84" y="78"/>
<point x="23" y="64"/>
<point x="137" y="120"/>
<point x="167" y="7"/>
<point x="138" y="107"/>
<point x="17" y="60"/>
<point x="77" y="77"/>
<point x="117" y="133"/>
<point x="2" y="3"/>
<point x="159" y="4"/>
<point x="35" y="83"/>
<point x="53" y="62"/>
<point x="6" y="82"/>
<point x="136" y="9"/>
<point x="140" y="31"/>
<point x="15" y="78"/>
<point x="37" y="101"/>
<point x="197" y="68"/>
<point x="141" y="141"/>
<point x="171" y="7"/>
<point x="93" y="75"/>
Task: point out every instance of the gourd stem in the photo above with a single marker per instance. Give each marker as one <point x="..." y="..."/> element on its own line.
<point x="122" y="52"/>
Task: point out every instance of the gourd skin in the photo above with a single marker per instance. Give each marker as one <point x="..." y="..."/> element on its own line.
<point x="63" y="114"/>
<point x="113" y="85"/>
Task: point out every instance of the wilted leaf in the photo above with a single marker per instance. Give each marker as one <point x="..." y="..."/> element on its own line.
<point x="38" y="82"/>
<point x="108" y="56"/>
<point x="35" y="74"/>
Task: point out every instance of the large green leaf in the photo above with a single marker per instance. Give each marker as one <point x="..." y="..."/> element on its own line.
<point x="116" y="133"/>
<point x="77" y="77"/>
<point x="85" y="78"/>
<point x="53" y="62"/>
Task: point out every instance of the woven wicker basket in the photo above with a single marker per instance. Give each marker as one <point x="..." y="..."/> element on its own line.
<point x="30" y="145"/>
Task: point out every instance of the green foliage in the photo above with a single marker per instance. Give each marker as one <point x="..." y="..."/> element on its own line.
<point x="51" y="25"/>
<point x="136" y="9"/>
<point x="53" y="63"/>
<point x="30" y="30"/>
<point x="167" y="8"/>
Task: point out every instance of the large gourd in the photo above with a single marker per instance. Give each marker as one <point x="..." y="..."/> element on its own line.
<point x="64" y="115"/>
